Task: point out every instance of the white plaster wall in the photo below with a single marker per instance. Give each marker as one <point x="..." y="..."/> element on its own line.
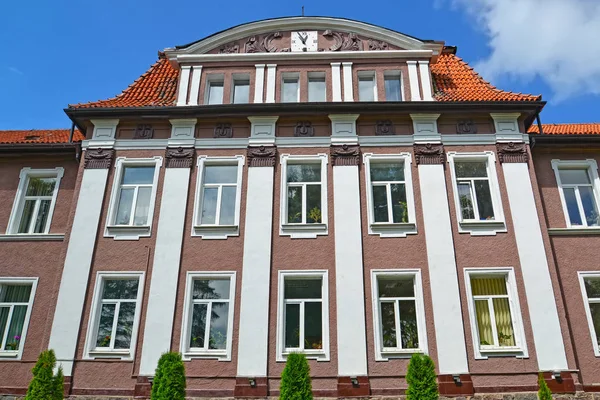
<point x="165" y="271"/>
<point x="74" y="282"/>
<point x="351" y="329"/>
<point x="447" y="314"/>
<point x="256" y="272"/>
<point x="547" y="335"/>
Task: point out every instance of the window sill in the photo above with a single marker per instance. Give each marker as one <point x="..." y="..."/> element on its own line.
<point x="220" y="356"/>
<point x="482" y="228"/>
<point x="116" y="354"/>
<point x="215" y="231"/>
<point x="320" y="355"/>
<point x="9" y="354"/>
<point x="574" y="231"/>
<point x="125" y="232"/>
<point x="39" y="237"/>
<point x="393" y="230"/>
<point x="303" y="231"/>
<point x="386" y="355"/>
<point x="501" y="352"/>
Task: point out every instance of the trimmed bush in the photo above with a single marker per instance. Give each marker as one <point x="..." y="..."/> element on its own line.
<point x="45" y="385"/>
<point x="544" y="392"/>
<point x="295" y="379"/>
<point x="169" y="379"/>
<point x="421" y="379"/>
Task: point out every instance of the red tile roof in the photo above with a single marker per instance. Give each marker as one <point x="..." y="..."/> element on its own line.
<point x="453" y="80"/>
<point x="567" y="129"/>
<point x="39" y="136"/>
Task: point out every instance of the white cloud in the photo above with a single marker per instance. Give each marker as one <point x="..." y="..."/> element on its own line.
<point x="557" y="40"/>
<point x="15" y="70"/>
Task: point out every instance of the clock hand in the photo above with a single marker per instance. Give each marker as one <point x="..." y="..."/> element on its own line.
<point x="303" y="39"/>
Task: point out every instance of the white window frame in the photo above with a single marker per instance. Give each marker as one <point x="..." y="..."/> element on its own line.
<point x="367" y="74"/>
<point x="303" y="230"/>
<point x="210" y="79"/>
<point x="316" y="75"/>
<point x="518" y="351"/>
<point x="131" y="232"/>
<point x="391" y="229"/>
<point x="214" y="231"/>
<point x="19" y="202"/>
<point x="586" y="303"/>
<point x="394" y="74"/>
<point x="18" y="354"/>
<point x="382" y="354"/>
<point x="290" y="75"/>
<point x="475" y="227"/>
<point x="591" y="166"/>
<point x="91" y="351"/>
<point x="239" y="78"/>
<point x="313" y="354"/>
<point x="186" y="352"/>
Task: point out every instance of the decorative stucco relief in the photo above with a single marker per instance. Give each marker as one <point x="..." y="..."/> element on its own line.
<point x="466" y="127"/>
<point x="229" y="48"/>
<point x="304" y="129"/>
<point x="378" y="45"/>
<point x="345" y="155"/>
<point x="264" y="44"/>
<point x="344" y="41"/>
<point x="179" y="157"/>
<point x="384" y="127"/>
<point x="429" y="154"/>
<point x="512" y="152"/>
<point x="98" y="158"/>
<point x="143" y="132"/>
<point x="223" y="130"/>
<point x="262" y="156"/>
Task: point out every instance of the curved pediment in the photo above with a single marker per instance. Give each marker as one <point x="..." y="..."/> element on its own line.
<point x="329" y="34"/>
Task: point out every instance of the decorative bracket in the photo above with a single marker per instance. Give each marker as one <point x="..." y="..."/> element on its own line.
<point x="429" y="154"/>
<point x="262" y="156"/>
<point x="98" y="158"/>
<point x="345" y="155"/>
<point x="179" y="157"/>
<point x="512" y="152"/>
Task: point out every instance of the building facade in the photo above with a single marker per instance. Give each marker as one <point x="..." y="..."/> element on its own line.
<point x="305" y="184"/>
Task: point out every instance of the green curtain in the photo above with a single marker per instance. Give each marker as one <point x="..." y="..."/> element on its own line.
<point x="13" y="294"/>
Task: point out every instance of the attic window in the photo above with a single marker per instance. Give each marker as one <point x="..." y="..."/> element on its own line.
<point x="32" y="137"/>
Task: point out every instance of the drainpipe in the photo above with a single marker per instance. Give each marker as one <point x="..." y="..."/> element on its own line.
<point x="72" y="132"/>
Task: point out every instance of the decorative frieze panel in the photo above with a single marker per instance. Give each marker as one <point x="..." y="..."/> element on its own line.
<point x="179" y="157"/>
<point x="262" y="156"/>
<point x="377" y="45"/>
<point x="512" y="152"/>
<point x="429" y="154"/>
<point x="264" y="44"/>
<point x="384" y="127"/>
<point x="466" y="127"/>
<point x="304" y="129"/>
<point x="229" y="48"/>
<point x="345" y="155"/>
<point x="98" y="158"/>
<point x="143" y="132"/>
<point x="344" y="41"/>
<point x="223" y="130"/>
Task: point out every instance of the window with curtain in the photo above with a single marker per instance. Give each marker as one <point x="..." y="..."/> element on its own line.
<point x="218" y="193"/>
<point x="579" y="197"/>
<point x="592" y="295"/>
<point x="134" y="197"/>
<point x="15" y="300"/>
<point x="474" y="190"/>
<point x="303" y="313"/>
<point x="495" y="322"/>
<point x="116" y="313"/>
<point x="304" y="186"/>
<point x="388" y="188"/>
<point x="210" y="314"/>
<point x="397" y="312"/>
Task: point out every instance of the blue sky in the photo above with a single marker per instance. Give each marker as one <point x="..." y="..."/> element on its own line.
<point x="61" y="52"/>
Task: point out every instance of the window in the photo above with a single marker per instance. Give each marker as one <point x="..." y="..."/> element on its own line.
<point x="35" y="200"/>
<point x="316" y="87"/>
<point x="241" y="90"/>
<point x="393" y="86"/>
<point x="115" y="315"/>
<point x="590" y="288"/>
<point x="303" y="314"/>
<point x="290" y="89"/>
<point x="304" y="194"/>
<point x="367" y="88"/>
<point x="218" y="197"/>
<point x="578" y="182"/>
<point x="16" y="299"/>
<point x="476" y="193"/>
<point x="399" y="314"/>
<point x="389" y="195"/>
<point x="214" y="90"/>
<point x="208" y="294"/>
<point x="495" y="312"/>
<point x="132" y="198"/>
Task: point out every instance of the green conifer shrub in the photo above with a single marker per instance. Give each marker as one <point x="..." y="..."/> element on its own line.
<point x="544" y="392"/>
<point x="295" y="379"/>
<point x="45" y="385"/>
<point x="169" y="379"/>
<point x="421" y="379"/>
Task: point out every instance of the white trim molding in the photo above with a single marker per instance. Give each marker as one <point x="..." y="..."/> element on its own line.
<point x="303" y="230"/>
<point x="259" y="83"/>
<point x="583" y="275"/>
<point x="591" y="168"/>
<point x="17" y="354"/>
<point x="391" y="229"/>
<point x="336" y="79"/>
<point x="312" y="354"/>
<point x="131" y="231"/>
<point x="217" y="230"/>
<point x="520" y="348"/>
<point x="189" y="353"/>
<point x="384" y="354"/>
<point x="262" y="131"/>
<point x="17" y="210"/>
<point x="425" y="74"/>
<point x="348" y="87"/>
<point x="92" y="352"/>
<point x="413" y="79"/>
<point x="479" y="227"/>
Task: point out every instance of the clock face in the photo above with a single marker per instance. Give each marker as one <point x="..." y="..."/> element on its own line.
<point x="304" y="41"/>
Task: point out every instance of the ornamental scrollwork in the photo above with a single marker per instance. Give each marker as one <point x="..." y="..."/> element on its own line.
<point x="262" y="156"/>
<point x="98" y="158"/>
<point x="427" y="154"/>
<point x="344" y="41"/>
<point x="378" y="45"/>
<point x="179" y="157"/>
<point x="256" y="44"/>
<point x="304" y="129"/>
<point x="345" y="155"/>
<point x="512" y="152"/>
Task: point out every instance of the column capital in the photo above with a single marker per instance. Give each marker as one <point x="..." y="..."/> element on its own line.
<point x="98" y="158"/>
<point x="262" y="156"/>
<point x="429" y="154"/>
<point x="179" y="157"/>
<point x="512" y="152"/>
<point x="345" y="155"/>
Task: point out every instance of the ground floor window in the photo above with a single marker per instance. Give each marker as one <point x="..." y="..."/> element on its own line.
<point x="590" y="286"/>
<point x="16" y="299"/>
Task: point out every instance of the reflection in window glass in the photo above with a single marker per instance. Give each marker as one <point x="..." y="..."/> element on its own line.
<point x="393" y="88"/>
<point x="14" y="304"/>
<point x="117" y="313"/>
<point x="366" y="88"/>
<point x="210" y="314"/>
<point x="219" y="195"/>
<point x="135" y="194"/>
<point x="241" y="91"/>
<point x="290" y="92"/>
<point x="215" y="92"/>
<point x="304" y="202"/>
<point x="303" y="299"/>
<point x="398" y="313"/>
<point x="316" y="89"/>
<point x="579" y="195"/>
<point x="473" y="189"/>
<point x="36" y="205"/>
<point x="389" y="192"/>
